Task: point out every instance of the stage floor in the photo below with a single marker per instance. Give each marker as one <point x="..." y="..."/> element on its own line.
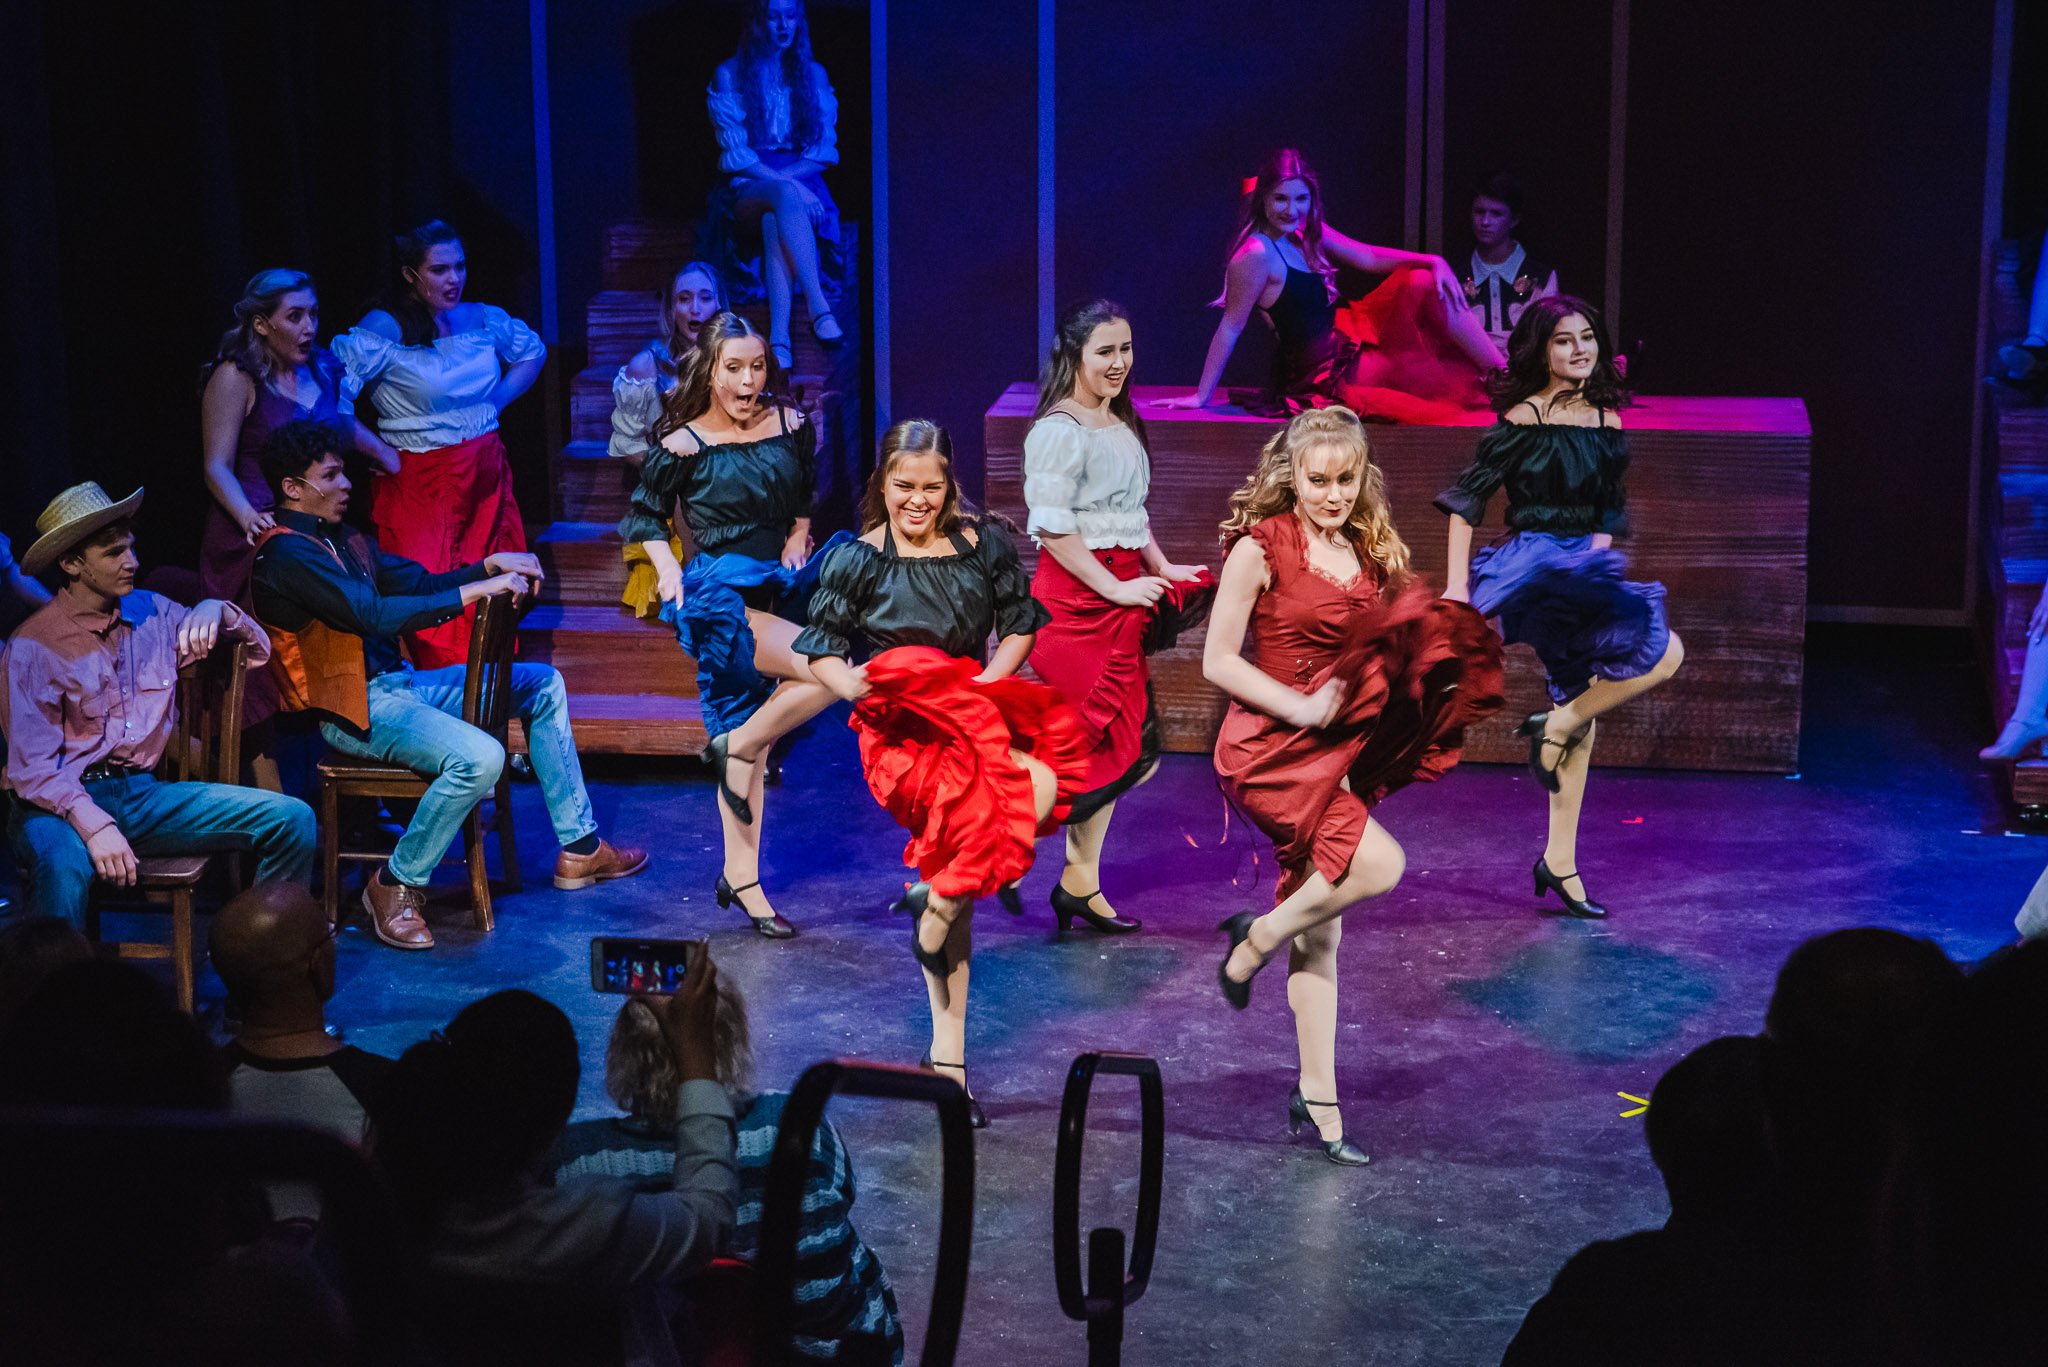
<point x="1482" y="1045"/>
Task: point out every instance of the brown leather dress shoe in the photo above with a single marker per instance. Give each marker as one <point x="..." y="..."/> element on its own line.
<point x="395" y="914"/>
<point x="574" y="871"/>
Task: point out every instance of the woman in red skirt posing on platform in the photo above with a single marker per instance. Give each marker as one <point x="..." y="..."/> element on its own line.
<point x="974" y="763"/>
<point x="1113" y="594"/>
<point x="438" y="371"/>
<point x="1357" y="680"/>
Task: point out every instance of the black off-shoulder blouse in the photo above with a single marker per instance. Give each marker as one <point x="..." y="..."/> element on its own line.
<point x="950" y="602"/>
<point x="738" y="497"/>
<point x="1561" y="479"/>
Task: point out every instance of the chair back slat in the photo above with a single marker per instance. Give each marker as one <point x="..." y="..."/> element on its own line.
<point x="206" y="734"/>
<point x="487" y="687"/>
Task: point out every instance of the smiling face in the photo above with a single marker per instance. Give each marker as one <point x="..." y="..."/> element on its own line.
<point x="439" y="278"/>
<point x="289" y="330"/>
<point x="738" y="379"/>
<point x="1287" y="206"/>
<point x="1493" y="223"/>
<point x="916" y="491"/>
<point x="691" y="303"/>
<point x="1105" y="363"/>
<point x="1574" y="350"/>
<point x="1327" y="478"/>
<point x="783" y="19"/>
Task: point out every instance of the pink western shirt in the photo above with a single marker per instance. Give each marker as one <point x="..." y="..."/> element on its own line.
<point x="87" y="687"/>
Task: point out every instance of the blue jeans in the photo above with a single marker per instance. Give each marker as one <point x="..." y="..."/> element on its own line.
<point x="160" y="819"/>
<point x="416" y="721"/>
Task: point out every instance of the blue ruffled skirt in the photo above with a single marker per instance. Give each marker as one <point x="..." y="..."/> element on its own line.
<point x="1572" y="604"/>
<point x="711" y="626"/>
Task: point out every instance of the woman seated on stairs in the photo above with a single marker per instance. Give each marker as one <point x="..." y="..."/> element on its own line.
<point x="773" y="224"/>
<point x="694" y="294"/>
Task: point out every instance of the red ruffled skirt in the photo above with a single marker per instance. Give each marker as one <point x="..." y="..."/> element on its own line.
<point x="1093" y="652"/>
<point x="1418" y="672"/>
<point x="1404" y="365"/>
<point x="935" y="748"/>
<point x="448" y="508"/>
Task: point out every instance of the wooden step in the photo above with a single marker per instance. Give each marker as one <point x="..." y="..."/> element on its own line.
<point x="631" y="724"/>
<point x="2022" y="441"/>
<point x="644" y="254"/>
<point x="591" y="486"/>
<point x="585" y="562"/>
<point x="600" y="648"/>
<point x="618" y="323"/>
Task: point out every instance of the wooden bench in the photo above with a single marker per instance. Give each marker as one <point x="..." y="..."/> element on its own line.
<point x="1718" y="500"/>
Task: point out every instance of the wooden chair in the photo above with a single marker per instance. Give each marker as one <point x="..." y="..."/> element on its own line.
<point x="486" y="705"/>
<point x="205" y="747"/>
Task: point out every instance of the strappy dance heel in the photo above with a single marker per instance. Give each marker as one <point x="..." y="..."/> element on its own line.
<point x="716" y="750"/>
<point x="976" y="1117"/>
<point x="1012" y="900"/>
<point x="1340" y="1150"/>
<point x="1533" y="730"/>
<point x="829" y="343"/>
<point x="1546" y="881"/>
<point x="1067" y="907"/>
<point x="916" y="901"/>
<point x="769" y="927"/>
<point x="784" y="358"/>
<point x="1239" y="928"/>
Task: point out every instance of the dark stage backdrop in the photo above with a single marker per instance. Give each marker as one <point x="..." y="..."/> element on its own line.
<point x="155" y="163"/>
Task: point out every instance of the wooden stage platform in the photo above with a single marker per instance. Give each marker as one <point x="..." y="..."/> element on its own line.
<point x="1718" y="501"/>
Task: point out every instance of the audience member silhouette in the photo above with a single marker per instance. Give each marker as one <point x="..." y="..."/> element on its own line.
<point x="31" y="949"/>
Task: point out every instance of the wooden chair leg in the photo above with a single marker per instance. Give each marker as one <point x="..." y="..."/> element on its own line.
<point x="330" y="850"/>
<point x="508" y="844"/>
<point x="181" y="946"/>
<point x="479" y="872"/>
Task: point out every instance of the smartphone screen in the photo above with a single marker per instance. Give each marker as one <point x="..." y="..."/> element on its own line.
<point x="622" y="965"/>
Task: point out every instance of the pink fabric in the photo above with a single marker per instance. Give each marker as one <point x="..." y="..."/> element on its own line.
<point x="86" y="687"/>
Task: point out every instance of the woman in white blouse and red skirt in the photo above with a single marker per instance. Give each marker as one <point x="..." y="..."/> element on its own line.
<point x="1113" y="594"/>
<point x="437" y="371"/>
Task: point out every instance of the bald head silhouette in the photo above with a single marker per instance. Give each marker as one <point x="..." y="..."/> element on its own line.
<point x="272" y="947"/>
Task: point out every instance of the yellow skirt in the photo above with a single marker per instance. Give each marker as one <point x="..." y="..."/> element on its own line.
<point x="642" y="592"/>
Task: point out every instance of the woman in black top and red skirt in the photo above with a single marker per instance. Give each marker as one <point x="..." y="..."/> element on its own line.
<point x="974" y="763"/>
<point x="1555" y="581"/>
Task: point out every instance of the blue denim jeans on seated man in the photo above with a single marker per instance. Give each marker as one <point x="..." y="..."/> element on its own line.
<point x="160" y="819"/>
<point x="416" y="721"/>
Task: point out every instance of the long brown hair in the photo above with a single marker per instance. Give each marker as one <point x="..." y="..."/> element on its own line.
<point x="691" y="398"/>
<point x="1063" y="363"/>
<point x="762" y="69"/>
<point x="1278" y="166"/>
<point x="1528" y="369"/>
<point x="239" y="345"/>
<point x="1269" y="490"/>
<point x="912" y="437"/>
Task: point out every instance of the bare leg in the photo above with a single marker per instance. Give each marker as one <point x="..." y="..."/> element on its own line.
<point x="1376" y="866"/>
<point x="795" y="701"/>
<point x="1603" y="695"/>
<point x="775" y="273"/>
<point x="1471" y="336"/>
<point x="1312" y="996"/>
<point x="800" y="243"/>
<point x="2029" y="717"/>
<point x="1082" y="875"/>
<point x="1044" y="787"/>
<point x="1561" y="850"/>
<point x="949" y="922"/>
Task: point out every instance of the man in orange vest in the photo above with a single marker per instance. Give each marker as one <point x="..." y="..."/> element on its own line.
<point x="335" y="605"/>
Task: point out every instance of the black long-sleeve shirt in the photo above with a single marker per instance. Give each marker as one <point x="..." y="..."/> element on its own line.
<point x="338" y="576"/>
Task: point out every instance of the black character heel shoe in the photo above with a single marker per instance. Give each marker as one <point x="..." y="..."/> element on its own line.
<point x="830" y="343"/>
<point x="742" y="810"/>
<point x="1239" y="928"/>
<point x="770" y="927"/>
<point x="1069" y="907"/>
<point x="976" y="1117"/>
<point x="1532" y="729"/>
<point x="1012" y="901"/>
<point x="1546" y="881"/>
<point x="1340" y="1150"/>
<point x="916" y="901"/>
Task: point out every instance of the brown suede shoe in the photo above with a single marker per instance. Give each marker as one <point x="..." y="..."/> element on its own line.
<point x="574" y="871"/>
<point x="395" y="914"/>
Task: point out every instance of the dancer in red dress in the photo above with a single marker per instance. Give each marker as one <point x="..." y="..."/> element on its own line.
<point x="1408" y="351"/>
<point x="974" y="763"/>
<point x="1357" y="681"/>
<point x="1113" y="594"/>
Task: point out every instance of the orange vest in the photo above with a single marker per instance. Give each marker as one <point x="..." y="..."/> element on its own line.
<point x="317" y="668"/>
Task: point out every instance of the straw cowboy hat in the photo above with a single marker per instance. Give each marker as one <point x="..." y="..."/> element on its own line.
<point x="73" y="516"/>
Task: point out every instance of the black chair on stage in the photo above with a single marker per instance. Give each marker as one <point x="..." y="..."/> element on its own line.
<point x="1101" y="1301"/>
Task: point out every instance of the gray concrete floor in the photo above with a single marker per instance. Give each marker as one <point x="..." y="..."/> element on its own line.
<point x="1481" y="1047"/>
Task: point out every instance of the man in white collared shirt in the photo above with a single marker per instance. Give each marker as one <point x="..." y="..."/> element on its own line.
<point x="1502" y="277"/>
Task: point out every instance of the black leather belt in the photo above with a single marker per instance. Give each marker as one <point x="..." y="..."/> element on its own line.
<point x="108" y="769"/>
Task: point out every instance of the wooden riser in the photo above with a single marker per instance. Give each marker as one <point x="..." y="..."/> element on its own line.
<point x="585" y="562"/>
<point x="2023" y="441"/>
<point x="644" y="254"/>
<point x="591" y="486"/>
<point x="608" y="650"/>
<point x="1736" y="579"/>
<point x="630" y="724"/>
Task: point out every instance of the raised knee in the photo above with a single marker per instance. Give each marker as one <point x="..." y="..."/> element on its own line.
<point x="1380" y="871"/>
<point x="785" y="198"/>
<point x="1674" y="656"/>
<point x="477" y="765"/>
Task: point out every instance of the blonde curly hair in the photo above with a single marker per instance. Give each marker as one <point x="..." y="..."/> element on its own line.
<point x="1269" y="490"/>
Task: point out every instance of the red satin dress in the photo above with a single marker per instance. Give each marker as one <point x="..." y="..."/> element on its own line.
<point x="1418" y="670"/>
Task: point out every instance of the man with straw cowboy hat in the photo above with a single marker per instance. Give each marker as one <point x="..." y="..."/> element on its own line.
<point x="89" y="704"/>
